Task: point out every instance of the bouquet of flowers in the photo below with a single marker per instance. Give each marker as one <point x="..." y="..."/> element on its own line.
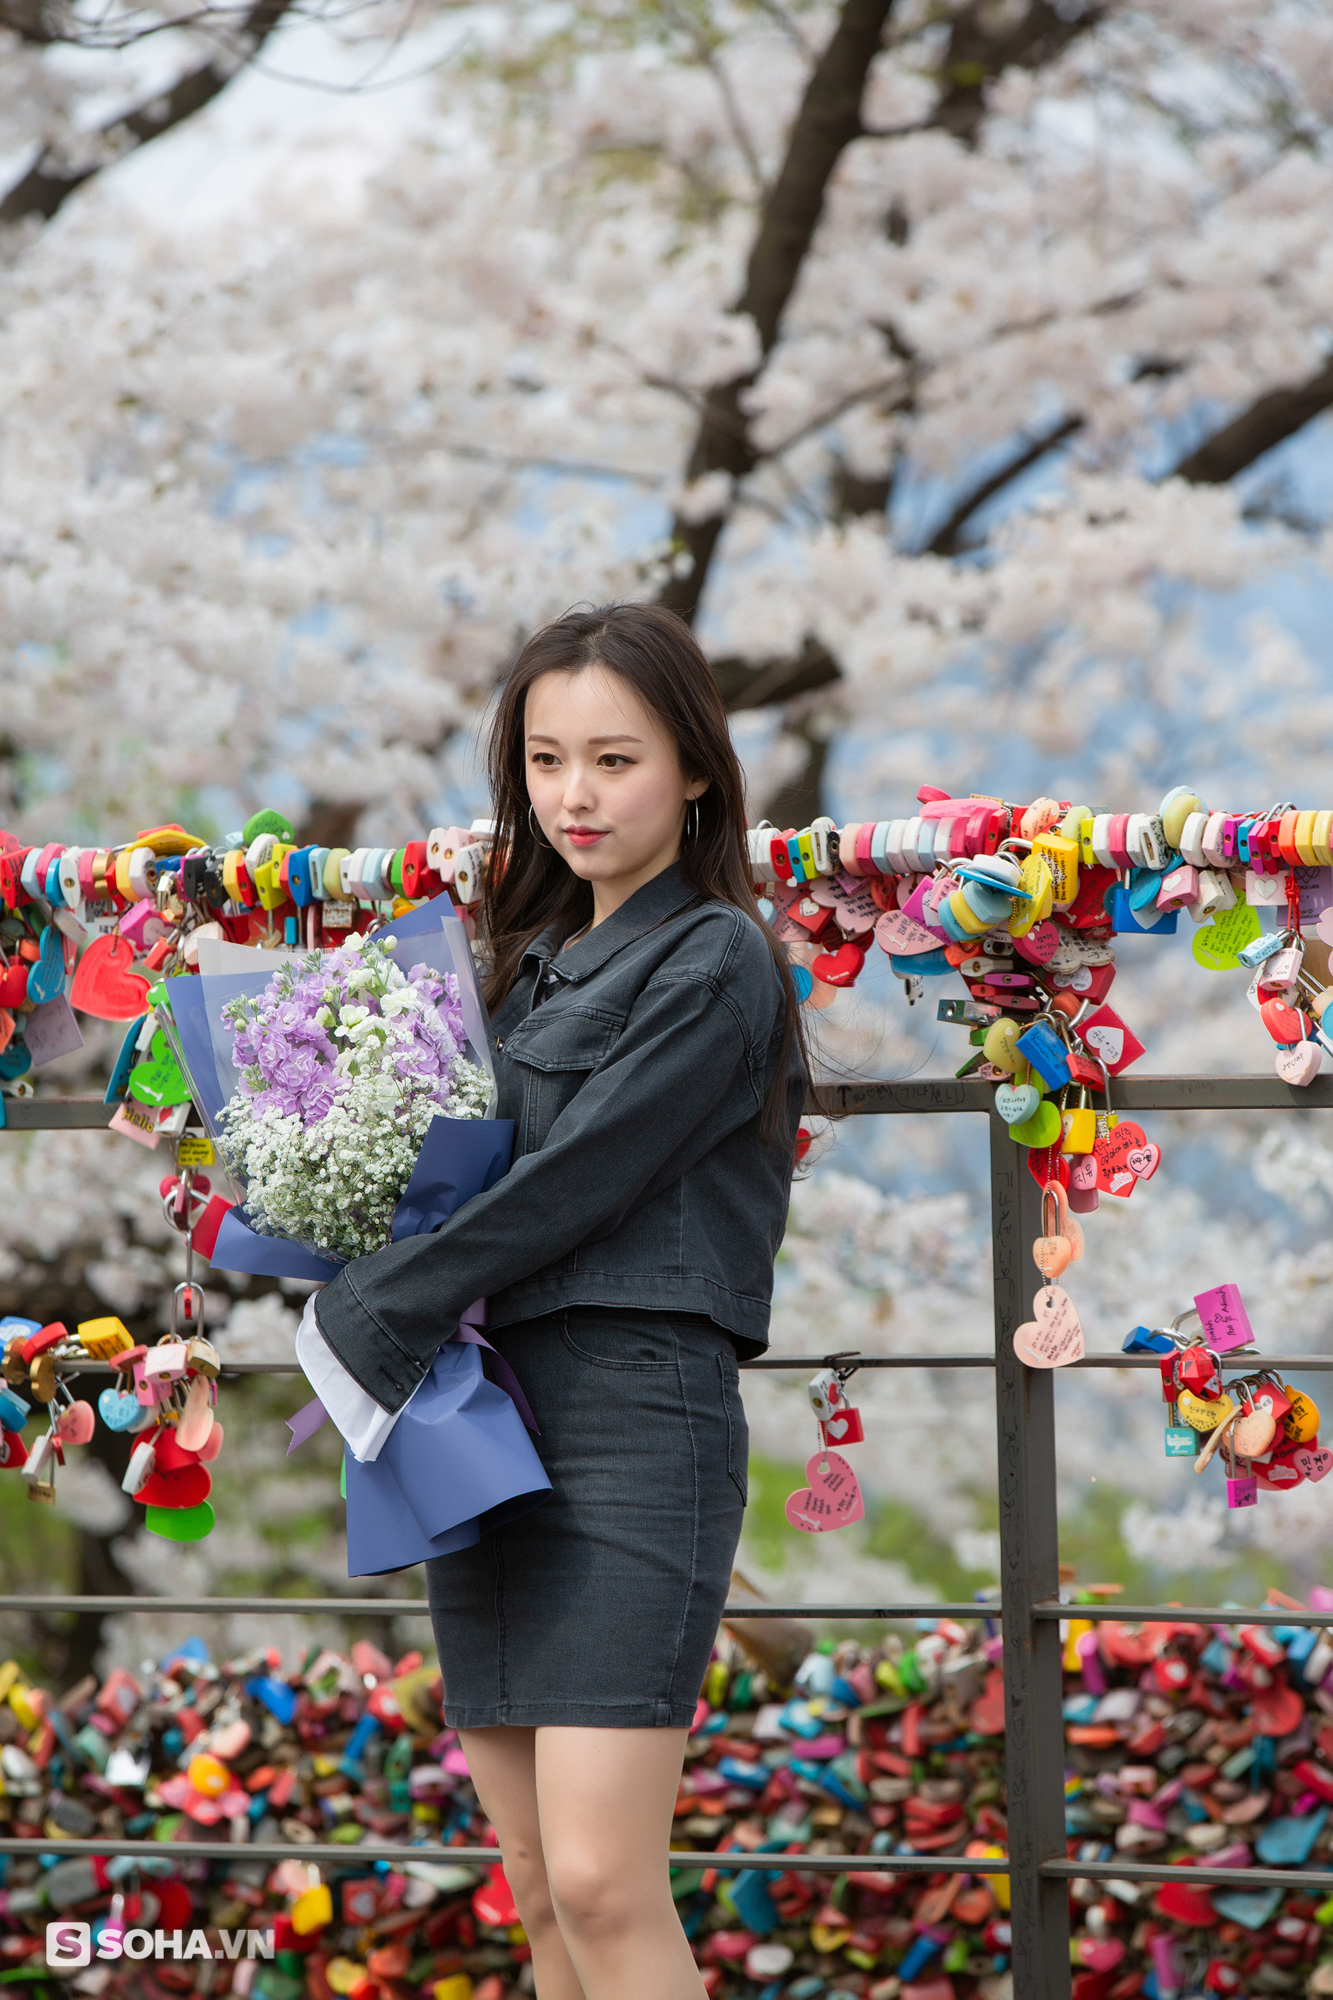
<point x="344" y="1061"/>
<point x="348" y="1092"/>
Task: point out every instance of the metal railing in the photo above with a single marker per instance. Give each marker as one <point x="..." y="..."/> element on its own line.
<point x="1029" y="1609"/>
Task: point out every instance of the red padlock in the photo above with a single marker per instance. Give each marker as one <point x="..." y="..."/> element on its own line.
<point x="1197" y="1371"/>
<point x="1283" y="1023"/>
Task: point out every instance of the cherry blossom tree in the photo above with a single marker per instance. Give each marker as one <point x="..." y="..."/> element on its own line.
<point x="942" y="362"/>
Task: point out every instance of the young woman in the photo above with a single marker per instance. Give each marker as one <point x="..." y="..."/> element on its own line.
<point x="647" y="1048"/>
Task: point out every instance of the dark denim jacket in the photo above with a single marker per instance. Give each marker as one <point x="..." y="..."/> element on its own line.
<point x="639" y="1175"/>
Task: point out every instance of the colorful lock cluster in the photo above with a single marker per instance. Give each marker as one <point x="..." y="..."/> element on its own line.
<point x="1023" y="902"/>
<point x="1184" y="1743"/>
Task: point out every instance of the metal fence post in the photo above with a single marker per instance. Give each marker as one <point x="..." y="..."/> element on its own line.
<point x="1029" y="1571"/>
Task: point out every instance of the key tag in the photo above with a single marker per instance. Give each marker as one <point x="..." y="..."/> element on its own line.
<point x="1216" y="1440"/>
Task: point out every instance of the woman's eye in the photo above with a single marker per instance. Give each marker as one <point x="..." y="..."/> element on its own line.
<point x="546" y="759"/>
<point x="611" y="758"/>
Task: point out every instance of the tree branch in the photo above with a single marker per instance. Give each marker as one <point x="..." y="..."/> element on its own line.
<point x="1269" y="420"/>
<point x="945" y="540"/>
<point x="47" y="185"/>
<point x="985" y="40"/>
<point x="828" y="121"/>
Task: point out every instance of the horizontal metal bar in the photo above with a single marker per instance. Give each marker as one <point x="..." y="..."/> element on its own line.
<point x="1239" y="1364"/>
<point x="1186" y="1614"/>
<point x="1151" y="1871"/>
<point x="409" y="1607"/>
<point x="1128" y="1093"/>
<point x="919" y="1097"/>
<point x="57" y="1114"/>
<point x="351" y="1856"/>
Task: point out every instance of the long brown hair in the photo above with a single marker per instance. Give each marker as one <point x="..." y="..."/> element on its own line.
<point x="531" y="888"/>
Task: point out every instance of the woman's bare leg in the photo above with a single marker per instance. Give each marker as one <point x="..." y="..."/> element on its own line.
<point x="503" y="1770"/>
<point x="604" y="1800"/>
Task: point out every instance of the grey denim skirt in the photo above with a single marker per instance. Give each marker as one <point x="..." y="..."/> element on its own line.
<point x="599" y="1608"/>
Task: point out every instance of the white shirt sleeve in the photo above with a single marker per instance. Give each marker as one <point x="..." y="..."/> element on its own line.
<point x="356" y="1415"/>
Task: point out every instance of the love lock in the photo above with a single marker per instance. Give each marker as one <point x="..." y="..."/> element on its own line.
<point x="187" y="1309"/>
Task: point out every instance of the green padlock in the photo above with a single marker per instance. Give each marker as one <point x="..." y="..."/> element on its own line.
<point x="1041" y="1129"/>
<point x="180" y="1524"/>
<point x="158" y="1078"/>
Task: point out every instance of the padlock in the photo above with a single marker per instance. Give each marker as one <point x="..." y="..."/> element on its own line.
<point x="1301" y="1423"/>
<point x="1203" y="1413"/>
<point x="201" y="1357"/>
<point x="104" y="1337"/>
<point x="1255" y="1428"/>
<point x="1242" y="1488"/>
<point x="44" y="1378"/>
<point x="140" y="1468"/>
<point x="1197" y="1370"/>
<point x="165" y="1362"/>
<point x="187" y="1310"/>
<point x="1182" y="1441"/>
<point x="196" y="1420"/>
<point x="40" y="1458"/>
<point x="843" y="1428"/>
<point x="826" y="1393"/>
<point x="1078" y="1127"/>
<point x="1041" y="1046"/>
<point x="152" y="1391"/>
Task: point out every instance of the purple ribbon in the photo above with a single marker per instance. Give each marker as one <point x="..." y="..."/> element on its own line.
<point x="312" y="1415"/>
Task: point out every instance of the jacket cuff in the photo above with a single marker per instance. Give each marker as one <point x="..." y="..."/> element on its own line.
<point x="369" y="1354"/>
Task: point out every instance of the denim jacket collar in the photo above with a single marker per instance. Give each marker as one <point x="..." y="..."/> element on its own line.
<point x="643" y="911"/>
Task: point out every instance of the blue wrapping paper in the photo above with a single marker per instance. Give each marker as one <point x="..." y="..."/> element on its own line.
<point x="458" y="1461"/>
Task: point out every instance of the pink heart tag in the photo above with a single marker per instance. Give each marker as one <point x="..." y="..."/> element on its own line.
<point x="1109" y="1043"/>
<point x="1299" y="1064"/>
<point x="76" y="1424"/>
<point x="1324" y="925"/>
<point x="831" y="1500"/>
<point x="1041" y="943"/>
<point x="1053" y="1337"/>
<point x="1144" y="1161"/>
<point x="1101" y="1954"/>
<point x="1314" y="1460"/>
<point x="902" y="936"/>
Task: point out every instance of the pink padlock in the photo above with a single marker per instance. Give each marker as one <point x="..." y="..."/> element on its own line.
<point x="1181" y="886"/>
<point x="166" y="1361"/>
<point x="151" y="1391"/>
<point x="1243" y="1492"/>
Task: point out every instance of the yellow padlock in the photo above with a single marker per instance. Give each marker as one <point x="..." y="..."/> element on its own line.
<point x="267" y="878"/>
<point x="105" y="1337"/>
<point x="1174" y="814"/>
<point x="999" y="1046"/>
<point x="312" y="1909"/>
<point x="1301" y="1423"/>
<point x="1204" y="1413"/>
<point x="966" y="917"/>
<point x="233" y="869"/>
<point x="1061" y="857"/>
<point x="1078" y="1126"/>
<point x="1034" y="878"/>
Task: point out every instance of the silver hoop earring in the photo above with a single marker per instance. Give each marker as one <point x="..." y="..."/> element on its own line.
<point x="692" y="832"/>
<point x="535" y="832"/>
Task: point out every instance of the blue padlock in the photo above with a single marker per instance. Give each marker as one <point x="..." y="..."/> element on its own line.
<point x="298" y="877"/>
<point x="1142" y="1340"/>
<point x="1124" y="918"/>
<point x="1042" y="1047"/>
<point x="52" y="890"/>
<point x="14" y="1409"/>
<point x="15" y="1060"/>
<point x="120" y="1411"/>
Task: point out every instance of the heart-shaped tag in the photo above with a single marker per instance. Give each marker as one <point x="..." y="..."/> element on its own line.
<point x="1041" y="1129"/>
<point x="1144" y="1161"/>
<point x="212" y="1444"/>
<point x="902" y="937"/>
<point x="1040" y="944"/>
<point x="1204" y="1413"/>
<point x="76" y="1423"/>
<point x="158" y="1079"/>
<point x="1052" y="1255"/>
<point x="180" y="1524"/>
<point x="840" y="967"/>
<point x="170" y="1453"/>
<point x="118" y="1411"/>
<point x="189" y="1487"/>
<point x="838" y="1427"/>
<point x="1083" y="1173"/>
<point x="1001" y="1045"/>
<point x="1300" y="1063"/>
<point x="1217" y="946"/>
<point x="1101" y="1954"/>
<point x="1115" y="1152"/>
<point x="105" y="984"/>
<point x="1017" y="1102"/>
<point x="47" y="978"/>
<point x="1314" y="1460"/>
<point x="831" y="1500"/>
<point x="1053" y="1337"/>
<point x="1108" y="1043"/>
<point x="192" y="1432"/>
